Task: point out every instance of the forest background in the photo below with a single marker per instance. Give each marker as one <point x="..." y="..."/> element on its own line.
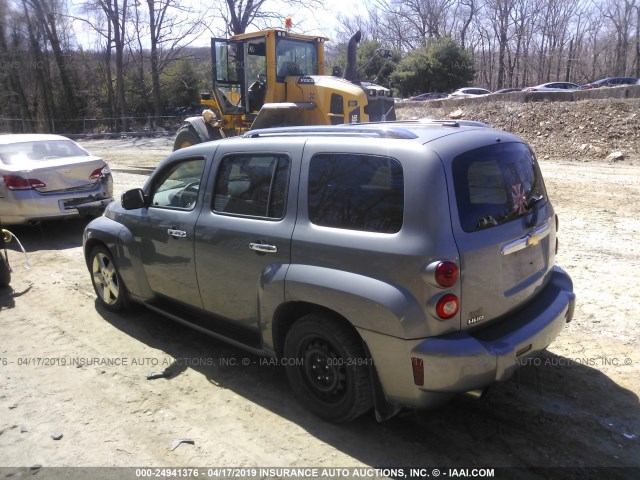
<point x="70" y="67"/>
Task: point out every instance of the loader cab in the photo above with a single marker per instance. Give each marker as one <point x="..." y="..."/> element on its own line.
<point x="295" y="57"/>
<point x="249" y="70"/>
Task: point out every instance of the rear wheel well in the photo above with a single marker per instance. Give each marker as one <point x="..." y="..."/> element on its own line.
<point x="286" y="315"/>
<point x="331" y="375"/>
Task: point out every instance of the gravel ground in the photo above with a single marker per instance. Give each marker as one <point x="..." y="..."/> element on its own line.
<point x="576" y="406"/>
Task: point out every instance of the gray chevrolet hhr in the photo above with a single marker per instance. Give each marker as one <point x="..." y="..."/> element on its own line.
<point x="384" y="265"/>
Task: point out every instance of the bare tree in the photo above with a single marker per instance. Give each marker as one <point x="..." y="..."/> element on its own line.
<point x="621" y="15"/>
<point x="14" y="98"/>
<point x="38" y="48"/>
<point x="472" y="9"/>
<point x="49" y="16"/>
<point x="240" y="14"/>
<point x="637" y="60"/>
<point x="169" y="25"/>
<point x="111" y="25"/>
<point x="499" y="12"/>
<point x="524" y="16"/>
<point x="137" y="36"/>
<point x="424" y="19"/>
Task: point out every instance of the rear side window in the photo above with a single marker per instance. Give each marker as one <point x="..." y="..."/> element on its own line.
<point x="356" y="192"/>
<point x="252" y="185"/>
<point x="496" y="184"/>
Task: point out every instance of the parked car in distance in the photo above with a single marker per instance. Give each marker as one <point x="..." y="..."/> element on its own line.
<point x="553" y="87"/>
<point x="468" y="92"/>
<point x="428" y="96"/>
<point x="610" y="82"/>
<point x="312" y="246"/>
<point x="49" y="176"/>
<point x="507" y="90"/>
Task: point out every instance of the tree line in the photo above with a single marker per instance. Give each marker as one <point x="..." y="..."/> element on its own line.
<point x="515" y="43"/>
<point x="141" y="62"/>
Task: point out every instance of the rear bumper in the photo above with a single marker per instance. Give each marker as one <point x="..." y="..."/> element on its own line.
<point x="29" y="206"/>
<point x="461" y="362"/>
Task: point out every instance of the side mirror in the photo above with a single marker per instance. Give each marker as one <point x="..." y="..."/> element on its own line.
<point x="132" y="199"/>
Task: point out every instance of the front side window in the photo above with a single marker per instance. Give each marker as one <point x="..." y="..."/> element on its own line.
<point x="356" y="192"/>
<point x="496" y="184"/>
<point x="295" y="57"/>
<point x="252" y="185"/>
<point x="179" y="185"/>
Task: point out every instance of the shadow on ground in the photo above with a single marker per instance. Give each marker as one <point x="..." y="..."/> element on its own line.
<point x="8" y="296"/>
<point x="47" y="235"/>
<point x="554" y="413"/>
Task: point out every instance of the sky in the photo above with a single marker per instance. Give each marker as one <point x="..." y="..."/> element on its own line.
<point x="310" y="21"/>
<point x="323" y="22"/>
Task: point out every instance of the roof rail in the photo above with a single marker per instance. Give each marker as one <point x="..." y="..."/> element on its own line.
<point x="434" y="121"/>
<point x="379" y="130"/>
<point x="455" y="123"/>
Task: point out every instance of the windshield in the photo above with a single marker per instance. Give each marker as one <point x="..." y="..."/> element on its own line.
<point x="14" y="153"/>
<point x="496" y="184"/>
<point x="295" y="57"/>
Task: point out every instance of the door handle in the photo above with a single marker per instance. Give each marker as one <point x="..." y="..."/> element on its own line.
<point x="263" y="247"/>
<point x="531" y="240"/>
<point x="175" y="233"/>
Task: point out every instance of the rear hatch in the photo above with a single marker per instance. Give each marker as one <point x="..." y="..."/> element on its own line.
<point x="50" y="166"/>
<point x="504" y="227"/>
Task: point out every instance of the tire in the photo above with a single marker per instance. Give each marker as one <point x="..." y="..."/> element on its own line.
<point x="330" y="373"/>
<point x="185" y="138"/>
<point x="5" y="272"/>
<point x="111" y="292"/>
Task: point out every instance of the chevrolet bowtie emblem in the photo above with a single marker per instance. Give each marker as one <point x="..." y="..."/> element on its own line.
<point x="533" y="239"/>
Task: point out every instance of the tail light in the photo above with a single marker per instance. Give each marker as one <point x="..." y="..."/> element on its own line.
<point x="447" y="306"/>
<point x="447" y="274"/>
<point x="417" y="365"/>
<point x="16" y="182"/>
<point x="99" y="172"/>
<point x="443" y="274"/>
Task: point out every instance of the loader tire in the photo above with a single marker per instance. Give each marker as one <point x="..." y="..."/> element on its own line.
<point x="185" y="138"/>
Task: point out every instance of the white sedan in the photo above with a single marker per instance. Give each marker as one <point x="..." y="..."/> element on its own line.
<point x="50" y="176"/>
<point x="469" y="92"/>
<point x="553" y="87"/>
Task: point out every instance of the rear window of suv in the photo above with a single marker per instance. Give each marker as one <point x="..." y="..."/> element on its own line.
<point x="356" y="192"/>
<point x="496" y="184"/>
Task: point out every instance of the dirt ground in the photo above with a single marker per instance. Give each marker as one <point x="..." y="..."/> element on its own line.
<point x="68" y="367"/>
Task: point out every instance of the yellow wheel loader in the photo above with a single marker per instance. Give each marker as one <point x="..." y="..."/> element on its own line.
<point x="275" y="78"/>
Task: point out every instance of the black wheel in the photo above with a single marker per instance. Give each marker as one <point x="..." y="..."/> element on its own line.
<point x="327" y="368"/>
<point x="106" y="280"/>
<point x="5" y="272"/>
<point x="185" y="138"/>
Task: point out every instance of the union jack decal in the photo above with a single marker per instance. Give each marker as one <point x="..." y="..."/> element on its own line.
<point x="519" y="200"/>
